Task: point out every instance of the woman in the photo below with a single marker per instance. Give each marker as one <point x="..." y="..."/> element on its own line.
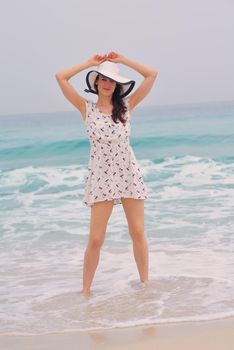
<point x="114" y="174"/>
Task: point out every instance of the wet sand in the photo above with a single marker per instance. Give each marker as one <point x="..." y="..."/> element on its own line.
<point x="209" y="335"/>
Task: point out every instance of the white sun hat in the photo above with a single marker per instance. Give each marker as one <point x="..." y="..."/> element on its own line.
<point x="109" y="70"/>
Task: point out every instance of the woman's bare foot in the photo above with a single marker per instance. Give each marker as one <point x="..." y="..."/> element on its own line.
<point x="144" y="284"/>
<point x="85" y="293"/>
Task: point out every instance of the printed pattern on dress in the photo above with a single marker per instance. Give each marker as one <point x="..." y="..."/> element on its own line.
<point x="113" y="170"/>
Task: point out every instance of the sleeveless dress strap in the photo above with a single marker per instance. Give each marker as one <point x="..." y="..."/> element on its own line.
<point x="126" y="102"/>
<point x="89" y="107"/>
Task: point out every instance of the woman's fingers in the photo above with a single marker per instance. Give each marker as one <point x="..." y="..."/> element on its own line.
<point x="97" y="59"/>
<point x="113" y="54"/>
<point x="101" y="57"/>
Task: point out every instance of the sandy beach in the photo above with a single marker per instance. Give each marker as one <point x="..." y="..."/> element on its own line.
<point x="209" y="335"/>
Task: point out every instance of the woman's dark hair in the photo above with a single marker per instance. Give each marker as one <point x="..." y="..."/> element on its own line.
<point x="119" y="108"/>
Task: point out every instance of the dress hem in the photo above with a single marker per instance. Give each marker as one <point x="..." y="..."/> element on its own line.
<point x="117" y="200"/>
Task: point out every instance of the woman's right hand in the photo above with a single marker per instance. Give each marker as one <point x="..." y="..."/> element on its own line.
<point x="97" y="59"/>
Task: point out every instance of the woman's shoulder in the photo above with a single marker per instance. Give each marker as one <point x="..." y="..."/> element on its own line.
<point x="89" y="102"/>
<point x="90" y="105"/>
<point x="126" y="103"/>
<point x="125" y="100"/>
<point x="90" y="109"/>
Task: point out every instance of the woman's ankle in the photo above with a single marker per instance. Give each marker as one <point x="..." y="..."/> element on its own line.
<point x="144" y="282"/>
<point x="85" y="292"/>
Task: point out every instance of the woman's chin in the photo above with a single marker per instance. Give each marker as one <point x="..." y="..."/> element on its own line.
<point x="106" y="92"/>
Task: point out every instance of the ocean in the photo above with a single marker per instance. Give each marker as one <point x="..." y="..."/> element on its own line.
<point x="186" y="154"/>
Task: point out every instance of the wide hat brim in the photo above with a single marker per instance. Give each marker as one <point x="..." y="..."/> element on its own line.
<point x="126" y="84"/>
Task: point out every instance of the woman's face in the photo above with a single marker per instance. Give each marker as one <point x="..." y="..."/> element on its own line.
<point x="105" y="86"/>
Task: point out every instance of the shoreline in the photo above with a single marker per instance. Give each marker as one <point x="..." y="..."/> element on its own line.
<point x="207" y="335"/>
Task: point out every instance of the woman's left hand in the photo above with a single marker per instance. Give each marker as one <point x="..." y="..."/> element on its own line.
<point x="115" y="57"/>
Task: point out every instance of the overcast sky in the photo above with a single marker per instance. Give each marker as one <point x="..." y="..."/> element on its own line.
<point x="189" y="42"/>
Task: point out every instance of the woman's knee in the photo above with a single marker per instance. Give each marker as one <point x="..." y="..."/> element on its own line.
<point x="137" y="234"/>
<point x="95" y="242"/>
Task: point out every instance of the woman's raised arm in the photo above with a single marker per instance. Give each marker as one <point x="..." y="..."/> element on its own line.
<point x="68" y="90"/>
<point x="148" y="73"/>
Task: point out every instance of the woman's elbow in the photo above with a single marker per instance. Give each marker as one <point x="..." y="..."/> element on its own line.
<point x="60" y="76"/>
<point x="154" y="73"/>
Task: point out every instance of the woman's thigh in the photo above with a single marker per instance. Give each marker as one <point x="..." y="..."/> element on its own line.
<point x="99" y="216"/>
<point x="134" y="211"/>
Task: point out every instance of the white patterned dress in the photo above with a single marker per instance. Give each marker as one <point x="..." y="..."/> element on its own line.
<point x="113" y="171"/>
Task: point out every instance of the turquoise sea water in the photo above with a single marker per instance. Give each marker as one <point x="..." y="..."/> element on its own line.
<point x="186" y="153"/>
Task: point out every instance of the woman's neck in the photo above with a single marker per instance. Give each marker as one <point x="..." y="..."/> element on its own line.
<point x="104" y="101"/>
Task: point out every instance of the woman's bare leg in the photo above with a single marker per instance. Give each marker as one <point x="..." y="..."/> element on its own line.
<point x="100" y="213"/>
<point x="134" y="211"/>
